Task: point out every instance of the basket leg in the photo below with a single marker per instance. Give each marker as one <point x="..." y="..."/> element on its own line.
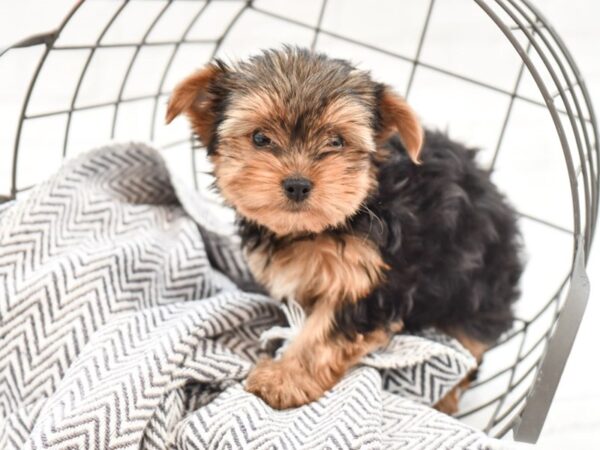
<point x="529" y="426"/>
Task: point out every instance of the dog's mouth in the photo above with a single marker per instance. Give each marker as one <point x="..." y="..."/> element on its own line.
<point x="296" y="208"/>
<point x="293" y="218"/>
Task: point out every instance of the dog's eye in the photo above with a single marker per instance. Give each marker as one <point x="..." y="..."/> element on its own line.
<point x="336" y="142"/>
<point x="260" y="139"/>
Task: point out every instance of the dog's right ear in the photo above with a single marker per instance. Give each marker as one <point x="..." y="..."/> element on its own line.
<point x="195" y="96"/>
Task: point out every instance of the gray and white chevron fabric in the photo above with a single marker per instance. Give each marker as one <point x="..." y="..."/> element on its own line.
<point x="124" y="325"/>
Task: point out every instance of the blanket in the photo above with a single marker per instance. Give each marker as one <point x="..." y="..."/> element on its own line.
<point x="127" y="321"/>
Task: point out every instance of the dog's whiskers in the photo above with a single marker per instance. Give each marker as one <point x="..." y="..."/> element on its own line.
<point x="372" y="215"/>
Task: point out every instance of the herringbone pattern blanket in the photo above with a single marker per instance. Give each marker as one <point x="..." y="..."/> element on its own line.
<point x="124" y="324"/>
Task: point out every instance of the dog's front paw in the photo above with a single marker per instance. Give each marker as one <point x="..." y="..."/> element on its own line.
<point x="283" y="384"/>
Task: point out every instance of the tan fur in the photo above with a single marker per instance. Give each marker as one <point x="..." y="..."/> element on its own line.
<point x="312" y="364"/>
<point x="352" y="121"/>
<point x="319" y="273"/>
<point x="251" y="179"/>
<point x="264" y="111"/>
<point x="399" y="117"/>
<point x="449" y="404"/>
<point x="251" y="111"/>
<point x="191" y="96"/>
<point x="326" y="268"/>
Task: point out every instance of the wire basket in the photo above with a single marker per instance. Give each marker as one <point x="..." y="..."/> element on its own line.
<point x="106" y="73"/>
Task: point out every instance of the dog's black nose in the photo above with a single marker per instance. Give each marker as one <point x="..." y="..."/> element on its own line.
<point x="297" y="189"/>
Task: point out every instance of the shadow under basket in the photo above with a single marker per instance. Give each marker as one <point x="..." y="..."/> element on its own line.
<point x="106" y="73"/>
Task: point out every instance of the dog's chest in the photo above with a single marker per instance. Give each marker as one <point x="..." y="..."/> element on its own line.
<point x="333" y="269"/>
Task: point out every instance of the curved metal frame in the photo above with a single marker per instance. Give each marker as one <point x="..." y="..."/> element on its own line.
<point x="526" y="415"/>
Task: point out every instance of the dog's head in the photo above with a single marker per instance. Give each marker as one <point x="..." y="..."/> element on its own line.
<point x="293" y="135"/>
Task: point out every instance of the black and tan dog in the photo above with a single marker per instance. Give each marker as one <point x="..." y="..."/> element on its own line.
<point x="348" y="207"/>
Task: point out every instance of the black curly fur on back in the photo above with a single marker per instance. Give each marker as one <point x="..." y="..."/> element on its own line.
<point x="447" y="234"/>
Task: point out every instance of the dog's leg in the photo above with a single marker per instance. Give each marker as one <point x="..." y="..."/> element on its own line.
<point x="313" y="363"/>
<point x="337" y="286"/>
<point x="449" y="403"/>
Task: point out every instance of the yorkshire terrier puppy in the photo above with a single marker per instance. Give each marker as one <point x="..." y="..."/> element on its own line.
<point x="348" y="207"/>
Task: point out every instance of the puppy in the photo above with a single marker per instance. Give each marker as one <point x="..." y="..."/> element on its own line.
<point x="345" y="205"/>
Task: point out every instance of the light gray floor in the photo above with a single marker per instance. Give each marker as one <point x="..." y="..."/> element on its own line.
<point x="531" y="178"/>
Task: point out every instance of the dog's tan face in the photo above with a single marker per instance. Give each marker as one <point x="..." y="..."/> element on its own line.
<point x="293" y="135"/>
<point x="292" y="164"/>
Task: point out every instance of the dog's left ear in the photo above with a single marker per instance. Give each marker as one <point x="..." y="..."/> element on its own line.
<point x="396" y="116"/>
<point x="195" y="96"/>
